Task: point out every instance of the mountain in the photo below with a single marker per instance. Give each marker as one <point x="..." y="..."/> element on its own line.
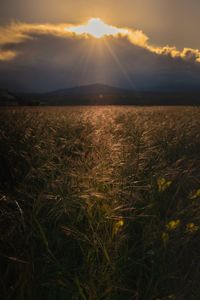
<point x="100" y="94"/>
<point x="92" y="89"/>
<point x="82" y="95"/>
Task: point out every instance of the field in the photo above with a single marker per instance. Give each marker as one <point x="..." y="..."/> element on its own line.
<point x="100" y="203"/>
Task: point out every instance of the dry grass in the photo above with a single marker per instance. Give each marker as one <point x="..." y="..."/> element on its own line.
<point x="100" y="203"/>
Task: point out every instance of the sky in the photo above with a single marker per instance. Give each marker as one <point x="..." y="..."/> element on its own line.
<point x="149" y="44"/>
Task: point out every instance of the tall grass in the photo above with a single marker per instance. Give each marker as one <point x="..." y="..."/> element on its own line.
<point x="100" y="203"/>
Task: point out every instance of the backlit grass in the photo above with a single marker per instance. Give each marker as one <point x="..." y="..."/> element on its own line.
<point x="100" y="203"/>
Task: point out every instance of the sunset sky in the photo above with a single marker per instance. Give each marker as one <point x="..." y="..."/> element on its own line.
<point x="139" y="44"/>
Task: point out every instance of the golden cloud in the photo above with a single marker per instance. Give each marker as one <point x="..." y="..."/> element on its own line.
<point x="19" y="32"/>
<point x="7" y="55"/>
<point x="138" y="37"/>
<point x="97" y="28"/>
<point x="186" y="53"/>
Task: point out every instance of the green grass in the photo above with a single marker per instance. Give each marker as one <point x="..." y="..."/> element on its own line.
<point x="86" y="199"/>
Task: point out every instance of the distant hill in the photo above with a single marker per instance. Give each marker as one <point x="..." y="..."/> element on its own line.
<point x="93" y="89"/>
<point x="100" y="94"/>
<point x="82" y="95"/>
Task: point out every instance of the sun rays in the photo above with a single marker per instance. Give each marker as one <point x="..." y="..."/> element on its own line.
<point x="95" y="29"/>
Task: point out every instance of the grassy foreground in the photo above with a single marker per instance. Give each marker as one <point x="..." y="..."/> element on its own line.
<point x="100" y="203"/>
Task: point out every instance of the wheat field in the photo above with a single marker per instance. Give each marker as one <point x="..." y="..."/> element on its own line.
<point x="100" y="203"/>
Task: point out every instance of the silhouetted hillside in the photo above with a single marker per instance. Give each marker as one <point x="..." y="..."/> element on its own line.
<point x="93" y="89"/>
<point x="99" y="94"/>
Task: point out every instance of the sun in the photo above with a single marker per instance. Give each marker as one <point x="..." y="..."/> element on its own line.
<point x="97" y="28"/>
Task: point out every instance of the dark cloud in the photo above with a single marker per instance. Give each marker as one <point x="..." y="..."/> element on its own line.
<point x="46" y="62"/>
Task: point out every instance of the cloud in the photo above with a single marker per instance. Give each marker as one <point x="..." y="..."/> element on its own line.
<point x="18" y="32"/>
<point x="7" y="55"/>
<point x="186" y="53"/>
<point x="97" y="28"/>
<point x="44" y="57"/>
<point x="137" y="37"/>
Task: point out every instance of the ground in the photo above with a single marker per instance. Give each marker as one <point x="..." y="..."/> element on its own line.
<point x="100" y="203"/>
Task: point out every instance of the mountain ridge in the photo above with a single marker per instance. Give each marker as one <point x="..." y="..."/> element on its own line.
<point x="102" y="94"/>
<point x="90" y="89"/>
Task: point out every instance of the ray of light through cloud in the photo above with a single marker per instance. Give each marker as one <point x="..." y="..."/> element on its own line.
<point x="94" y="28"/>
